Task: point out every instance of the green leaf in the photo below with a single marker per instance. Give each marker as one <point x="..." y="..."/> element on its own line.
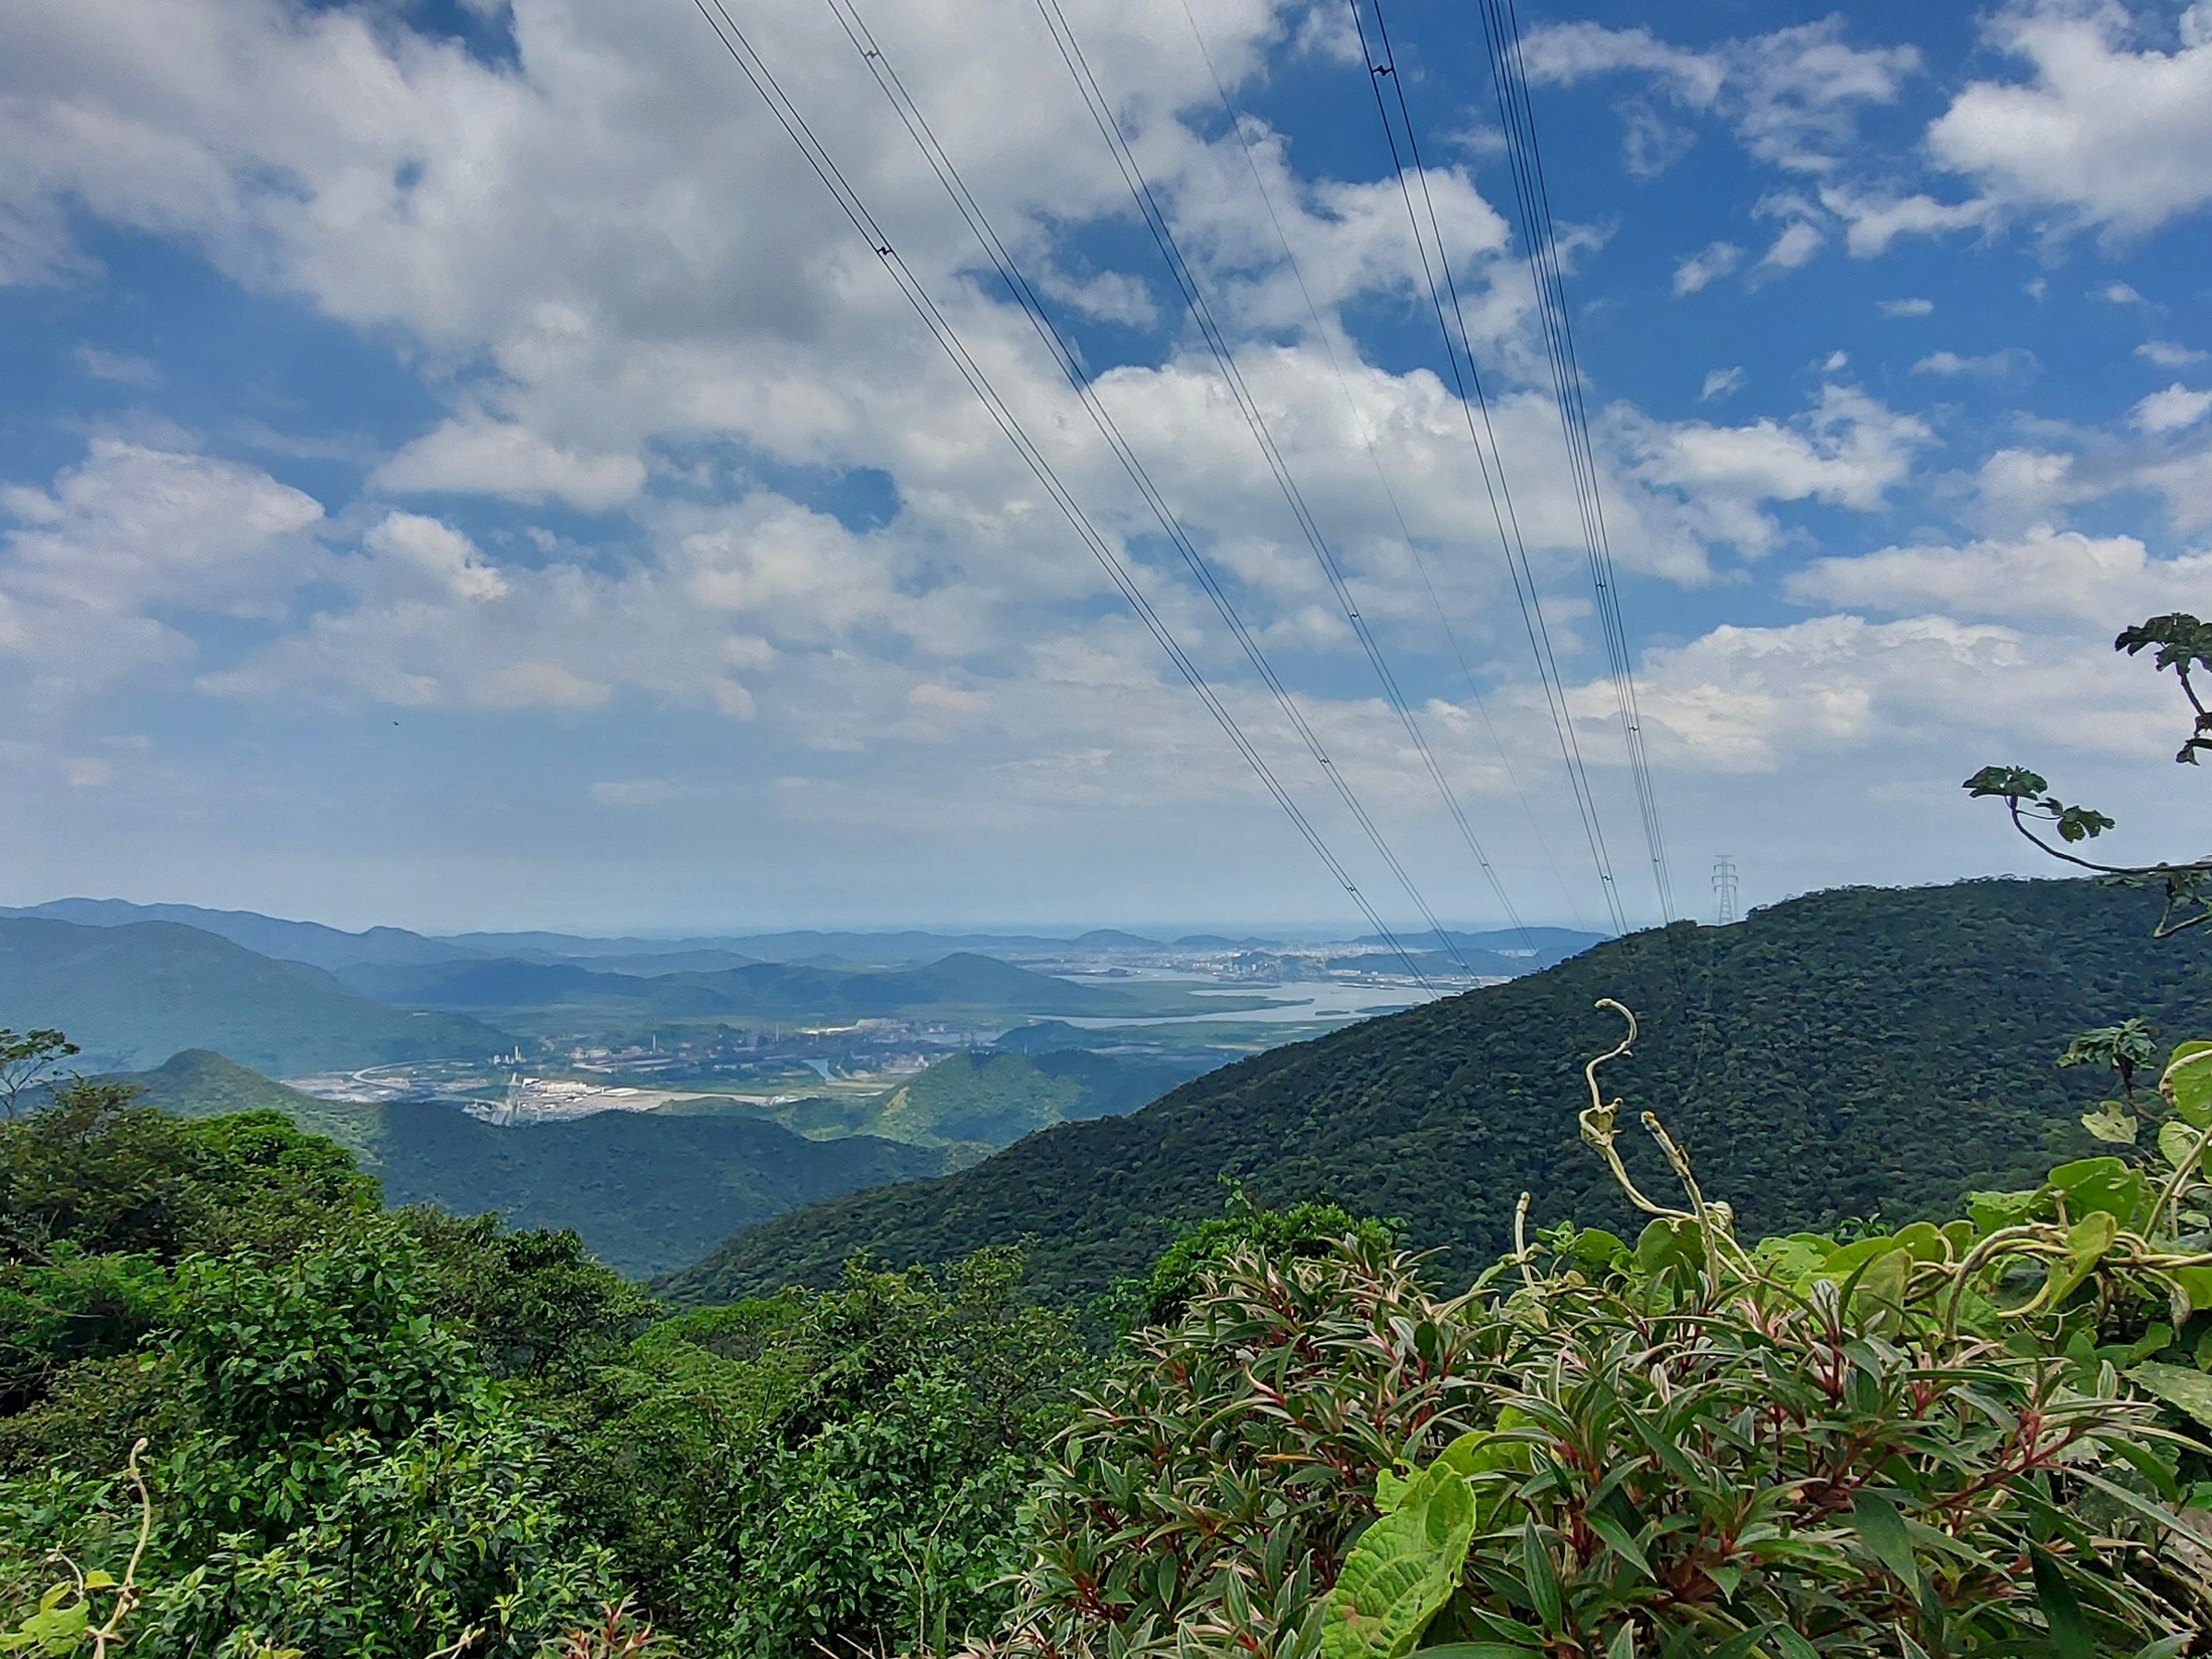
<point x="2086" y="1242"/>
<point x="1741" y="1644"/>
<point x="2196" y="1285"/>
<point x="1883" y="1531"/>
<point x="1993" y="1211"/>
<point x="2113" y="1122"/>
<point x="1403" y="1570"/>
<point x="2185" y="1390"/>
<point x="1794" y="1646"/>
<point x="2068" y="1631"/>
<point x="1543" y="1579"/>
<point x="2014" y="781"/>
<point x="2105" y="1184"/>
<point x="2188" y="1082"/>
<point x="1619" y="1541"/>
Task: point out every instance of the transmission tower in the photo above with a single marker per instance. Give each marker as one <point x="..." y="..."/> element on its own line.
<point x="1724" y="890"/>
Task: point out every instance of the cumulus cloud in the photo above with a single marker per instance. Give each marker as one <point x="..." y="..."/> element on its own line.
<point x="1754" y="700"/>
<point x="1874" y="222"/>
<point x="2045" y="576"/>
<point x="2105" y="133"/>
<point x="2168" y="355"/>
<point x="1848" y="451"/>
<point x="1720" y="383"/>
<point x="1989" y="365"/>
<point x="1905" y="307"/>
<point x="1794" y="96"/>
<point x="105" y="562"/>
<point x="504" y="457"/>
<point x="1795" y="246"/>
<point x="2171" y="409"/>
<point x="1701" y="270"/>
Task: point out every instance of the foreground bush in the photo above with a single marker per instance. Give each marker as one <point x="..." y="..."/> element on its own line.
<point x="1917" y="1443"/>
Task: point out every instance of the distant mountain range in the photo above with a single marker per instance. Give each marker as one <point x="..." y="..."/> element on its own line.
<point x="132" y="994"/>
<point x="322" y="946"/>
<point x="1850" y="1053"/>
<point x="961" y="985"/>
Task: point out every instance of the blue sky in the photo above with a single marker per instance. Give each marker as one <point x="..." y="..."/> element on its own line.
<point x="460" y="469"/>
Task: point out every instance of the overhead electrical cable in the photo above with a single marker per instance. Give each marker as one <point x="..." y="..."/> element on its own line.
<point x="1322" y="333"/>
<point x="796" y="127"/>
<point x="1063" y="352"/>
<point x="1201" y="311"/>
<point x="1516" y="115"/>
<point x="1467" y="381"/>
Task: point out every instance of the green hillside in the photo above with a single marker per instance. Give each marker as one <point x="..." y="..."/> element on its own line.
<point x="134" y="994"/>
<point x="201" y="1084"/>
<point x="1852" y="1051"/>
<point x="976" y="1102"/>
<point x="647" y="1190"/>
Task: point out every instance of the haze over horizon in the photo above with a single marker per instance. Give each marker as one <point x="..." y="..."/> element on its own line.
<point x="460" y="470"/>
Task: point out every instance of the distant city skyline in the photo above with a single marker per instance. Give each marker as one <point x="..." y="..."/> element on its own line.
<point x="459" y="470"/>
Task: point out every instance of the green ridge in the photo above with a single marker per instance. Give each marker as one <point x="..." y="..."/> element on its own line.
<point x="1848" y="1051"/>
<point x="132" y="995"/>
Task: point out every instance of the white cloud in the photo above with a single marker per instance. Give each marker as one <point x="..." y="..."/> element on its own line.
<point x="2103" y="135"/>
<point x="121" y="367"/>
<point x="2168" y="355"/>
<point x="1848" y="451"/>
<point x="1793" y="95"/>
<point x="2121" y="293"/>
<point x="2171" y="409"/>
<point x="1795" y="246"/>
<point x="1701" y="270"/>
<point x="1759" y="700"/>
<point x="438" y="551"/>
<point x="505" y="458"/>
<point x="1990" y="365"/>
<point x="2047" y="576"/>
<point x="1720" y="383"/>
<point x="1874" y="222"/>
<point x="1905" y="307"/>
<point x="124" y="543"/>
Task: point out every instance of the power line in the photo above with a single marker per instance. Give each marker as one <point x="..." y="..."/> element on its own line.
<point x="1472" y="402"/>
<point x="1516" y="114"/>
<point x="1322" y="333"/>
<point x="1063" y="352"/>
<point x="796" y="127"/>
<point x="1195" y="300"/>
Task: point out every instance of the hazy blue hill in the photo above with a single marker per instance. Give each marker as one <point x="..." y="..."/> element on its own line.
<point x="500" y="982"/>
<point x="136" y="992"/>
<point x="308" y="942"/>
<point x="648" y="1190"/>
<point x="1841" y="1054"/>
<point x="963" y="985"/>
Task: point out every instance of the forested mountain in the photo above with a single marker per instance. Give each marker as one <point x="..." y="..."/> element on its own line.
<point x="646" y="1191"/>
<point x="1850" y="1051"/>
<point x="133" y="995"/>
<point x="976" y="1102"/>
